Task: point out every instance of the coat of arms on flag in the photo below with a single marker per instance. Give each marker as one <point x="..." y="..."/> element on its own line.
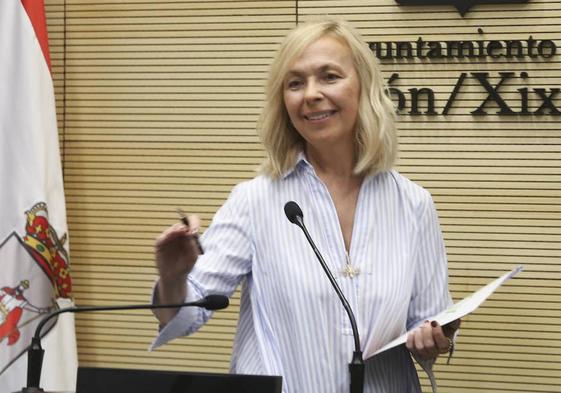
<point x="33" y="266"/>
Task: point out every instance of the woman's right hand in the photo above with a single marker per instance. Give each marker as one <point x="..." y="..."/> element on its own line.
<point x="176" y="250"/>
<point x="176" y="253"/>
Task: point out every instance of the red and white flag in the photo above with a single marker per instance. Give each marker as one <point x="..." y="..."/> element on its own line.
<point x="34" y="270"/>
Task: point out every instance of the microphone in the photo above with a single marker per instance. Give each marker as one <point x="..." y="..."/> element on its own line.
<point x="35" y="351"/>
<point x="294" y="213"/>
<point x="356" y="367"/>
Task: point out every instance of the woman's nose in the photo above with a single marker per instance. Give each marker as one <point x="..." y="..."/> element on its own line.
<point x="312" y="91"/>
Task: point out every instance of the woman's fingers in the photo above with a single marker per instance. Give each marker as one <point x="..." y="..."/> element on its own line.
<point x="441" y="341"/>
<point x="194" y="223"/>
<point x="419" y="340"/>
<point x="174" y="232"/>
<point x="428" y="340"/>
<point x="176" y="249"/>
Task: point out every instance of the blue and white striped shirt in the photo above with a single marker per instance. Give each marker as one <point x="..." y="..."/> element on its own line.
<point x="291" y="321"/>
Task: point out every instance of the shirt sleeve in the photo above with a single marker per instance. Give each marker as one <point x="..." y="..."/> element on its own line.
<point x="228" y="252"/>
<point x="430" y="293"/>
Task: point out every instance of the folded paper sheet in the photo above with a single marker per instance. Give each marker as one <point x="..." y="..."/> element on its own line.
<point x="458" y="310"/>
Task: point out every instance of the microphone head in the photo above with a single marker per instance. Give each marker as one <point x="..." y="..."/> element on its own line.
<point x="293" y="212"/>
<point x="215" y="302"/>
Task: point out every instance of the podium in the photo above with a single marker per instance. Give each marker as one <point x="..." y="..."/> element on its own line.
<point x="114" y="380"/>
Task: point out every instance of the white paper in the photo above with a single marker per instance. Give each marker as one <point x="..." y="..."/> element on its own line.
<point x="458" y="310"/>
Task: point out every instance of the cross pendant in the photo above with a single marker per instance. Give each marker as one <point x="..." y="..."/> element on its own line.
<point x="350" y="271"/>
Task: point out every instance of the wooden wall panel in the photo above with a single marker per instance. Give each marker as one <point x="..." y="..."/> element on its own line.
<point x="157" y="105"/>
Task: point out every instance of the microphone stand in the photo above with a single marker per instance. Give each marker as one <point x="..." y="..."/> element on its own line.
<point x="356" y="366"/>
<point x="36" y="352"/>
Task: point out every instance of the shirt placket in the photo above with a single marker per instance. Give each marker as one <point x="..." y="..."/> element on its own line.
<point x="337" y="254"/>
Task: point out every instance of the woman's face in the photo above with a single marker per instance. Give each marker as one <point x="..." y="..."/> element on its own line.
<point x="321" y="93"/>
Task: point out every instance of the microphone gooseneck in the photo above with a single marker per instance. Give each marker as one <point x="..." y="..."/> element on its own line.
<point x="356" y="367"/>
<point x="295" y="216"/>
<point x="35" y="351"/>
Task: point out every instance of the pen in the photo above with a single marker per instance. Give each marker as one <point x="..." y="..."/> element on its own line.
<point x="183" y="218"/>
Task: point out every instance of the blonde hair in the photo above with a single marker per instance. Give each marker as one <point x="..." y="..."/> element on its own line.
<point x="376" y="135"/>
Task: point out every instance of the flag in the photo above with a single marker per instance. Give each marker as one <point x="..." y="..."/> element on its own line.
<point x="34" y="269"/>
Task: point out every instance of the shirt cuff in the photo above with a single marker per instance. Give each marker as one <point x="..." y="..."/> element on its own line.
<point x="186" y="316"/>
<point x="428" y="364"/>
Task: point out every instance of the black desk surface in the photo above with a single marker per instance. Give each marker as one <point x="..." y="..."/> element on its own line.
<point x="114" y="380"/>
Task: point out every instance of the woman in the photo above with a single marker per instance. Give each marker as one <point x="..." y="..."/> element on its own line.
<point x="328" y="129"/>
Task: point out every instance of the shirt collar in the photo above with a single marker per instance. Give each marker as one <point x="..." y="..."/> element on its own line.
<point x="301" y="163"/>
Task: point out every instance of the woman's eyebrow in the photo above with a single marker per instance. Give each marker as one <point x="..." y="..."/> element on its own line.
<point x="322" y="68"/>
<point x="329" y="66"/>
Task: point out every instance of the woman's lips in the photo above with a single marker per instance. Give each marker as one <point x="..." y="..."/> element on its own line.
<point x="317" y="116"/>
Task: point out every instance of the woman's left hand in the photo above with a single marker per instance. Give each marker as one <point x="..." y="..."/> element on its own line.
<point x="428" y="340"/>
